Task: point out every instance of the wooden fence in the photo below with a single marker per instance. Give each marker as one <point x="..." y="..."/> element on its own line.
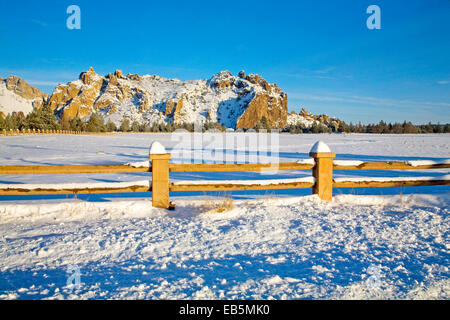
<point x="28" y="132"/>
<point x="321" y="181"/>
<point x="31" y="132"/>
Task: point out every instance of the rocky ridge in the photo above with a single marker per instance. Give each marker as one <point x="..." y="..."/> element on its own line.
<point x="233" y="101"/>
<point x="17" y="95"/>
<point x="238" y="102"/>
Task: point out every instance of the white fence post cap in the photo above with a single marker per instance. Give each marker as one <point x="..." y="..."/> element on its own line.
<point x="157" y="148"/>
<point x="320" y="147"/>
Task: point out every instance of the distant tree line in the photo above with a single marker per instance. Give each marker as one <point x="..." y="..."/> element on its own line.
<point x="381" y="127"/>
<point x="42" y="119"/>
<point x="45" y="119"/>
<point x="314" y="128"/>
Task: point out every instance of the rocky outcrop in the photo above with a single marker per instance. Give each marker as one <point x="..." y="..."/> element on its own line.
<point x="178" y="114"/>
<point x="233" y="101"/>
<point x="238" y="102"/>
<point x="92" y="93"/>
<point x="264" y="99"/>
<point x="21" y="88"/>
<point x="274" y="109"/>
<point x="307" y="120"/>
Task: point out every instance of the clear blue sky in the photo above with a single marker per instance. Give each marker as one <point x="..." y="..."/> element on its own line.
<point x="319" y="52"/>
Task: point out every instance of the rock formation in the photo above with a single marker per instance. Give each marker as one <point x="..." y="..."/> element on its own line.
<point x="236" y="102"/>
<point x="21" y="88"/>
<point x="16" y="95"/>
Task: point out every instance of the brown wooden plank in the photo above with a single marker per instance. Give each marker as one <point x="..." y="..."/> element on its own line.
<point x="230" y="187"/>
<point x="390" y="166"/>
<point x="19" y="191"/>
<point x="405" y="183"/>
<point x="225" y="167"/>
<point x="73" y="169"/>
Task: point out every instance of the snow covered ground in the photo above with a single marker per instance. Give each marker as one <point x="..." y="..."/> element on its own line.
<point x="389" y="243"/>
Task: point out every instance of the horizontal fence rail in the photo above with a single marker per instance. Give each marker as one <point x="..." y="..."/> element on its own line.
<point x="322" y="181"/>
<point x="32" y="132"/>
<point x="73" y="169"/>
<point x="340" y="165"/>
<point x="242" y="185"/>
<point x="390" y="183"/>
<point x="49" y="191"/>
<point x="225" y="167"/>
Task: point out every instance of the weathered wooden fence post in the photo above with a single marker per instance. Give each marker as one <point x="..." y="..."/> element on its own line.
<point x="160" y="175"/>
<point x="323" y="170"/>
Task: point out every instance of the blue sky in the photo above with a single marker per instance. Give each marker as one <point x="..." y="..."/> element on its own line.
<point x="320" y="52"/>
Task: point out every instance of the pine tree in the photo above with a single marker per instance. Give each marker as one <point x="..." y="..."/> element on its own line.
<point x="263" y="124"/>
<point x="110" y="126"/>
<point x="96" y="123"/>
<point x="135" y="126"/>
<point x="77" y="124"/>
<point x="65" y="123"/>
<point x="125" y="125"/>
<point x="49" y="118"/>
<point x="144" y="127"/>
<point x="447" y="128"/>
<point x="35" y="120"/>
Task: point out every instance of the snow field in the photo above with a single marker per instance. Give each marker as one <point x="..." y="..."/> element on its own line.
<point x="271" y="247"/>
<point x="292" y="248"/>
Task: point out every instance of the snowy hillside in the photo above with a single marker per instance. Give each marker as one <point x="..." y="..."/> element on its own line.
<point x="200" y="102"/>
<point x="12" y="102"/>
<point x="16" y="95"/>
<point x="297" y="119"/>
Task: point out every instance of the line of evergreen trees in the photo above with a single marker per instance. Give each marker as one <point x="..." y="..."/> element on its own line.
<point x="44" y="118"/>
<point x="381" y="127"/>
